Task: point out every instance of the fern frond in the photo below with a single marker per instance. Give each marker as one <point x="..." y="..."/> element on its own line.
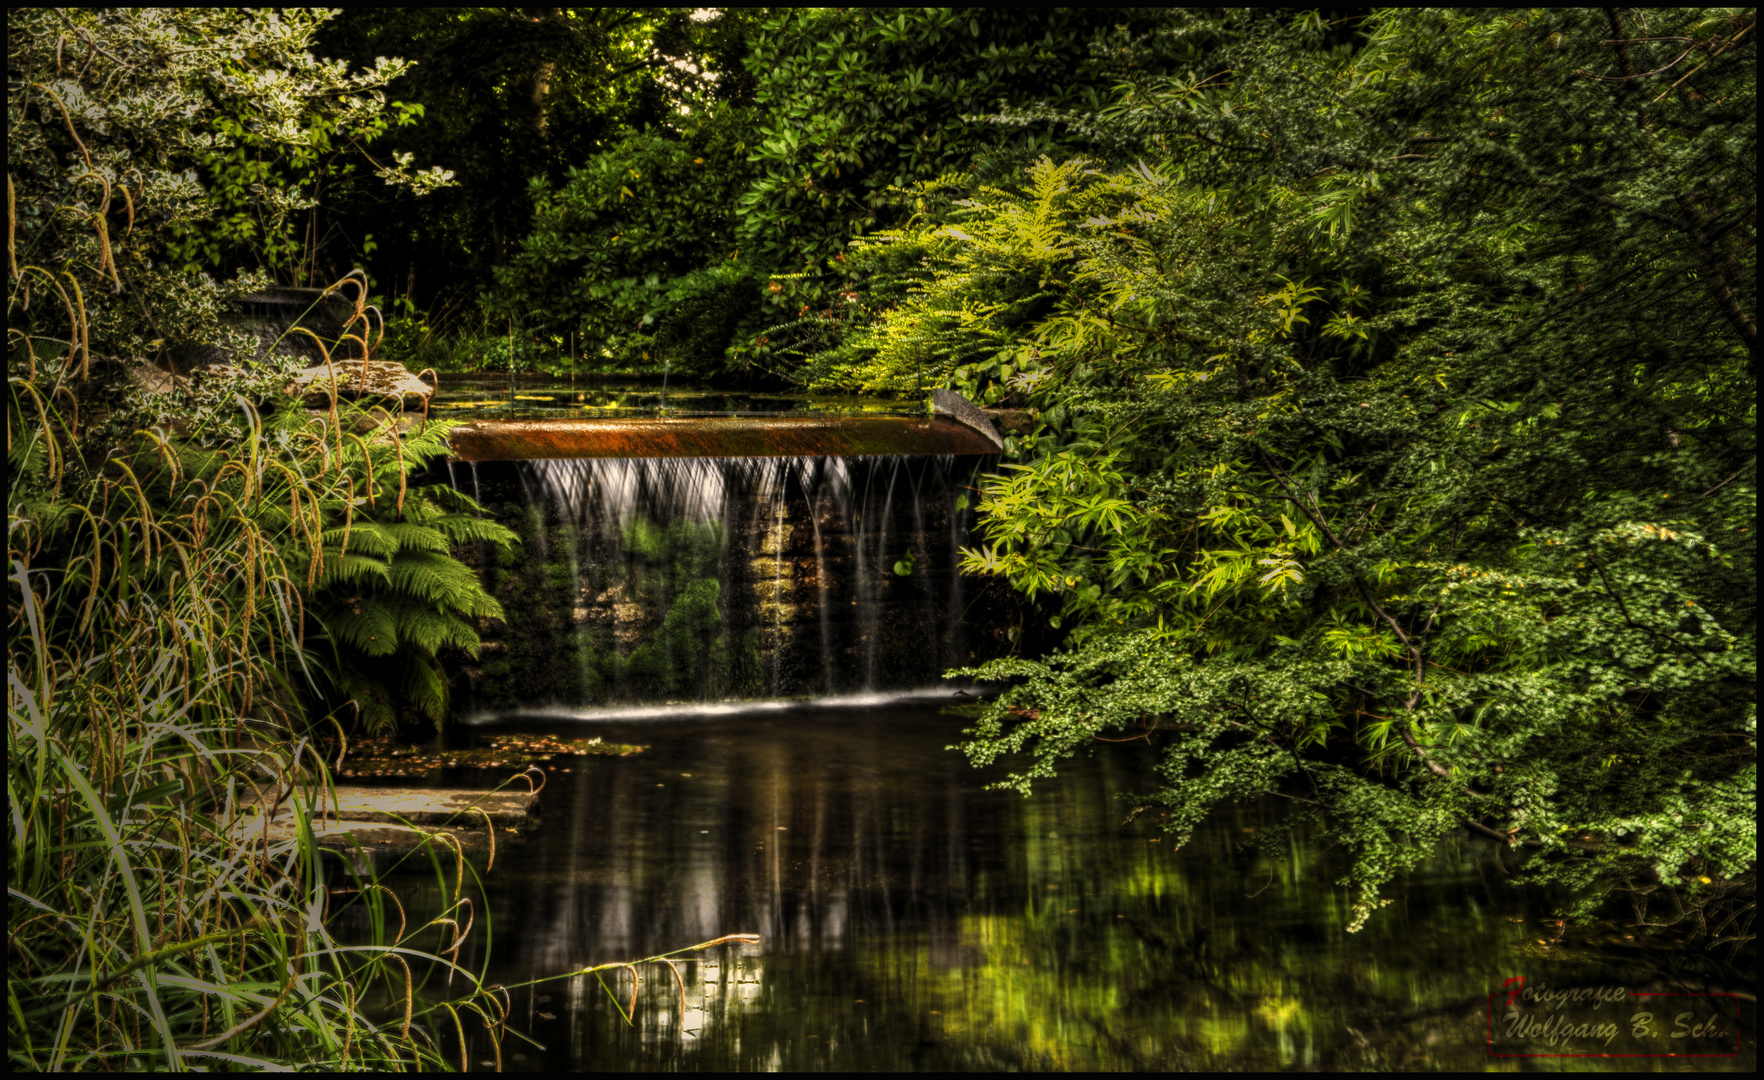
<point x="440" y="581"/>
<point x="484" y="606"/>
<point x="451" y="499"/>
<point x="367" y="626"/>
<point x="428" y="442"/>
<point x="422" y="627"/>
<point x="426" y="690"/>
<point x="371" y="697"/>
<point x="352" y="569"/>
<point x="364" y="536"/>
<point x="412" y="537"/>
<point x="461" y="529"/>
<point x="272" y="518"/>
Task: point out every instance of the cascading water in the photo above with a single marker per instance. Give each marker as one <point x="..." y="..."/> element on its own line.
<point x="644" y="580"/>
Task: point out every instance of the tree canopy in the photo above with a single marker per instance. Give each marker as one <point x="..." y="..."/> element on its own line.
<point x="1396" y="434"/>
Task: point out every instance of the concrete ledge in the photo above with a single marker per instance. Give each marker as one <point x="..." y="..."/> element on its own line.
<point x="951" y="404"/>
<point x="767" y="436"/>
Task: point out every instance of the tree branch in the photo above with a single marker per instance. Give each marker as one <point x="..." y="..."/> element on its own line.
<point x="1717" y="286"/>
<point x="1478" y="826"/>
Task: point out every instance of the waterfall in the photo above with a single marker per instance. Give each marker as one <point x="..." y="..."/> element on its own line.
<point x="651" y="580"/>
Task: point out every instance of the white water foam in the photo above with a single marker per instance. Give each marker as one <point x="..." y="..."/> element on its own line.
<point x="699" y="710"/>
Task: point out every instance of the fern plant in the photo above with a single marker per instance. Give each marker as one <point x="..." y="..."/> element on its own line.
<point x="390" y="594"/>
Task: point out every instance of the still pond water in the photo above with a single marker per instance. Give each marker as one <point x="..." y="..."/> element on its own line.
<point x="911" y="920"/>
<point x="533" y="397"/>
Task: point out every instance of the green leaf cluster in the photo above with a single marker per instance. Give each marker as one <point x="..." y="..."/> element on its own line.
<point x="1395" y="434"/>
<point x="635" y="252"/>
<point x="179" y="145"/>
<point x="716" y="239"/>
<point x="391" y="595"/>
<point x="509" y="96"/>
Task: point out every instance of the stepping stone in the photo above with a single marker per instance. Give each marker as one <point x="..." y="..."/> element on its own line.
<point x="385" y="824"/>
<point x="458" y="808"/>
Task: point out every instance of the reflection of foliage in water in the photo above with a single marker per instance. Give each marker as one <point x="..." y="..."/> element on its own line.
<point x="1126" y="956"/>
<point x="1146" y="960"/>
<point x="1214" y="956"/>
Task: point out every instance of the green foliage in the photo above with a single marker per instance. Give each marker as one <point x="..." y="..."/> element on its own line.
<point x="863" y="107"/>
<point x="636" y="250"/>
<point x="286" y="129"/>
<point x="94" y="143"/>
<point x="181" y="141"/>
<point x="948" y="298"/>
<point x="1395" y="441"/>
<point x="687" y="239"/>
<point x="417" y="343"/>
<point x="391" y="595"/>
<point x="512" y="96"/>
<point x="863" y="102"/>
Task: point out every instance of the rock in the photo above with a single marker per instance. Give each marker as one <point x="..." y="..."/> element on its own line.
<point x="951" y="404"/>
<point x="273" y="314"/>
<point x="188" y="358"/>
<point x="384" y="379"/>
<point x="222" y="371"/>
<point x="1012" y="421"/>
<point x="153" y="380"/>
<point x="369" y="424"/>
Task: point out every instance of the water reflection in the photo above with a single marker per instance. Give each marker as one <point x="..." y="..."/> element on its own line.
<point x="536" y="396"/>
<point x="912" y="920"/>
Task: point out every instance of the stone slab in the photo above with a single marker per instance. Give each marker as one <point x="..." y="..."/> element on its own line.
<point x="459" y="808"/>
<point x="365" y="822"/>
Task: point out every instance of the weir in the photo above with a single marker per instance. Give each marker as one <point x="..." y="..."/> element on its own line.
<point x="708" y="559"/>
<point x="953" y="427"/>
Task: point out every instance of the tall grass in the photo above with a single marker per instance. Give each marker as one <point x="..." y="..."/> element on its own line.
<point x="159" y="684"/>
